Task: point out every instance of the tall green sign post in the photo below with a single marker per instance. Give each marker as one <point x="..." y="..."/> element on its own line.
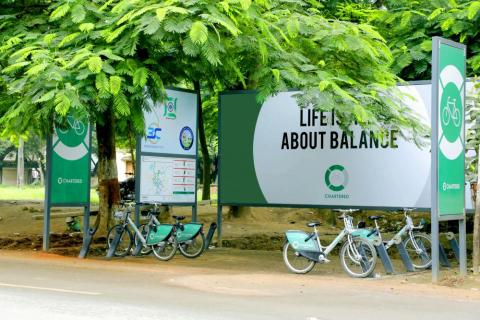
<point x="448" y="143"/>
<point x="68" y="172"/>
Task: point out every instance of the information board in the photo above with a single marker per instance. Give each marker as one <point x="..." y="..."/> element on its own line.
<point x="166" y="165"/>
<point x="167" y="179"/>
<point x="171" y="126"/>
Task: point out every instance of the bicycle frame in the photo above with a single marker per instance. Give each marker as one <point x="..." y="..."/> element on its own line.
<point x="407" y="229"/>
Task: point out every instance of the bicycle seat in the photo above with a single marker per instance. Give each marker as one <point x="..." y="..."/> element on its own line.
<point x="374" y="217"/>
<point x="179" y="218"/>
<point x="314" y="224"/>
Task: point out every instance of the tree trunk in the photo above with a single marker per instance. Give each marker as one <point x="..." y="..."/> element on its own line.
<point x="203" y="146"/>
<point x="20" y="164"/>
<point x="476" y="223"/>
<point x="42" y="174"/>
<point x="108" y="186"/>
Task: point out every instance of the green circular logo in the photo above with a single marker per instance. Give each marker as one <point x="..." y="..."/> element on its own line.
<point x="336" y="177"/>
<point x="451" y="112"/>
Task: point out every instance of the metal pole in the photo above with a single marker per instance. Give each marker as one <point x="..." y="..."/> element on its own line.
<point x="87" y="237"/>
<point x="219" y="225"/>
<point x="462" y="230"/>
<point x="434" y="157"/>
<point x="46" y="203"/>
<point x="46" y="226"/>
<point x="194" y="212"/>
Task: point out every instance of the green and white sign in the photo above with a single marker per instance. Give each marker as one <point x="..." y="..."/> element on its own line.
<point x="276" y="153"/>
<point x="70" y="163"/>
<point x="449" y="96"/>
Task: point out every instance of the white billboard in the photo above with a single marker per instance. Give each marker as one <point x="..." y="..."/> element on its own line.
<point x="302" y="157"/>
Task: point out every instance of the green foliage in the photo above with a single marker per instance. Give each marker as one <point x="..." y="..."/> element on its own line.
<point x="94" y="55"/>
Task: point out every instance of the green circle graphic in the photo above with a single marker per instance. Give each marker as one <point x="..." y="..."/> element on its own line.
<point x="451" y="112"/>
<point x="330" y="170"/>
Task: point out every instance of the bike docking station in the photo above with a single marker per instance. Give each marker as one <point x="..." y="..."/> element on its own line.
<point x="68" y="175"/>
<point x="448" y="148"/>
<point x="166" y="162"/>
<point x="277" y="154"/>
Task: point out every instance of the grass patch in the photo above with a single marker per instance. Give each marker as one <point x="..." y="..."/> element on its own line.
<point x="37" y="193"/>
<point x="33" y="193"/>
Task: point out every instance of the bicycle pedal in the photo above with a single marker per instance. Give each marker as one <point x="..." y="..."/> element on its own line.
<point x="322" y="259"/>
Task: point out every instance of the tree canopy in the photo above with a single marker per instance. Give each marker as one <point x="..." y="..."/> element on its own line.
<point x="89" y="55"/>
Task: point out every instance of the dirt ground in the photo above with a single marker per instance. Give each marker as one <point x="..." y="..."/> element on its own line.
<point x="261" y="230"/>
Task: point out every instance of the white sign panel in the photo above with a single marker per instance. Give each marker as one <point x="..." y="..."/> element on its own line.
<point x="167" y="179"/>
<point x="171" y="126"/>
<point x="303" y="157"/>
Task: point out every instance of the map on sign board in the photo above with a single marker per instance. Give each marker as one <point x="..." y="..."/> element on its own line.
<point x="167" y="179"/>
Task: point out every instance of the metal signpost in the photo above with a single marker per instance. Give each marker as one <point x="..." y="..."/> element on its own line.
<point x="68" y="172"/>
<point x="448" y="144"/>
<point x="166" y="161"/>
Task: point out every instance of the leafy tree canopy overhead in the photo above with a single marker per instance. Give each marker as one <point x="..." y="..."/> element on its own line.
<point x="89" y="55"/>
<point x="408" y="27"/>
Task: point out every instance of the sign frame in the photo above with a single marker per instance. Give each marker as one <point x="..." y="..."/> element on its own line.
<point x="140" y="153"/>
<point x="436" y="215"/>
<point x="48" y="195"/>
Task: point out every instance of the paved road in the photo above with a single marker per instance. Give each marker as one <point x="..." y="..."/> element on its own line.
<point x="41" y="286"/>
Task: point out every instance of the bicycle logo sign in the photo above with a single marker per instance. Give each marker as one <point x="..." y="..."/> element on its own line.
<point x="72" y="143"/>
<point x="451" y="112"/>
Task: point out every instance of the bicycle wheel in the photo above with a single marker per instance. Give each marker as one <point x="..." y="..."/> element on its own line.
<point x="144" y="231"/>
<point x="359" y="258"/>
<point x="446" y="116"/>
<point x="421" y="258"/>
<point x="296" y="262"/>
<point x="165" y="250"/>
<point x="125" y="244"/>
<point x="194" y="247"/>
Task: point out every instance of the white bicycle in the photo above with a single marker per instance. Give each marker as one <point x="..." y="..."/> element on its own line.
<point x="302" y="250"/>
<point x="74" y="124"/>
<point x="451" y="112"/>
<point x="417" y="244"/>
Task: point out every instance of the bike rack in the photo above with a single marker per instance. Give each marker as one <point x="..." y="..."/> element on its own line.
<point x="211" y="231"/>
<point x="88" y="232"/>
<point x="407" y="262"/>
<point x="386" y="261"/>
<point x="115" y="242"/>
<point x="443" y="257"/>
<point x="137" y="249"/>
<point x="454" y="245"/>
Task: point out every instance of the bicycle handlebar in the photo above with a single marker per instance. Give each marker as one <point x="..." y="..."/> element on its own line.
<point x="346" y="210"/>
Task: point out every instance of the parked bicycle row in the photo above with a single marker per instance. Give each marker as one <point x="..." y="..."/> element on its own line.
<point x="153" y="236"/>
<point x="301" y="251"/>
<point x="358" y="254"/>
